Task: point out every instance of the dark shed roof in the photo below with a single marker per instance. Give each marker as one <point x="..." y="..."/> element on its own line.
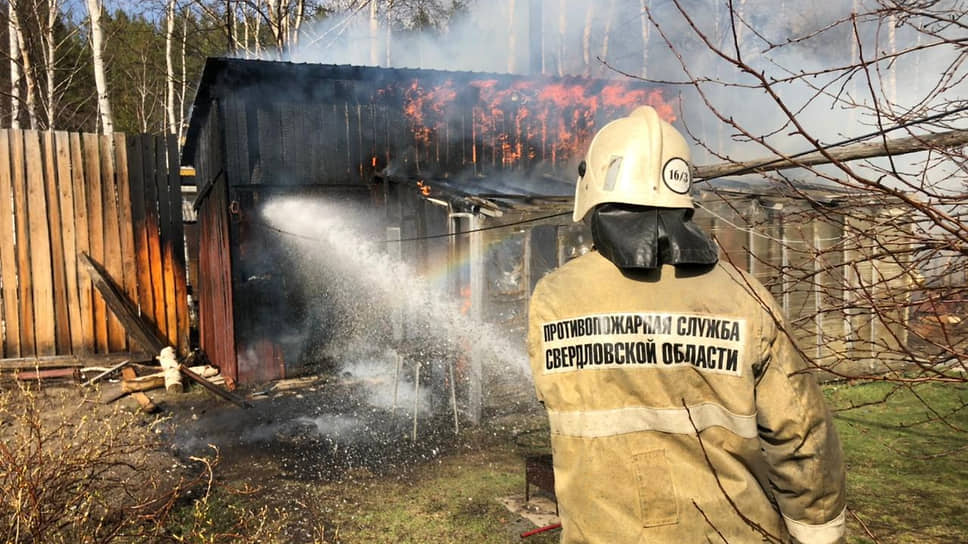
<point x="222" y="76"/>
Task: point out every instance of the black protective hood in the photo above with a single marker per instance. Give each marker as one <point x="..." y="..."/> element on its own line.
<point x="637" y="237"/>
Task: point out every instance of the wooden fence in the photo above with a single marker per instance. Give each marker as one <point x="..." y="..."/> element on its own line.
<point x="117" y="199"/>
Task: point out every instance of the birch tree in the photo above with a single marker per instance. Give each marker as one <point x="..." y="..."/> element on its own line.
<point x="374" y="33"/>
<point x="94" y="8"/>
<point x="50" y="62"/>
<point x="644" y="7"/>
<point x="13" y="22"/>
<point x="562" y="38"/>
<point x="26" y="65"/>
<point x="184" y="75"/>
<point x="586" y="40"/>
<point x="609" y="17"/>
<point x="512" y="38"/>
<point x="170" y="67"/>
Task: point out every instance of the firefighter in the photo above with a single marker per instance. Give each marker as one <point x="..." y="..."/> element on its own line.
<point x="678" y="406"/>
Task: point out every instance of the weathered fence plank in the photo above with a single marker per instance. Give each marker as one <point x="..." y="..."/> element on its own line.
<point x="39" y="234"/>
<point x="65" y="189"/>
<point x="112" y="236"/>
<point x="8" y="255"/>
<point x="95" y="225"/>
<point x="179" y="273"/>
<point x="154" y="163"/>
<point x="165" y="243"/>
<point x="83" y="242"/>
<point x="28" y="345"/>
<point x="136" y="177"/>
<point x="62" y="326"/>
<point x="129" y="277"/>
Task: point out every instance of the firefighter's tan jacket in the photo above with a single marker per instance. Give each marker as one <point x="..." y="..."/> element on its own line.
<point x="677" y="411"/>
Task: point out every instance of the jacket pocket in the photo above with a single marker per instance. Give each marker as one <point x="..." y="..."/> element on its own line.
<point x="658" y="504"/>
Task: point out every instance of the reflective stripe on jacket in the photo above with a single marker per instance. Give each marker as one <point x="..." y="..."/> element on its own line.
<point x="677" y="410"/>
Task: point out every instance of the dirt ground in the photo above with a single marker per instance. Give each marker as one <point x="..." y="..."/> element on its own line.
<point x="316" y="459"/>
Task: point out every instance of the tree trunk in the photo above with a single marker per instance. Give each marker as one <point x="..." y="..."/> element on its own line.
<point x="256" y="43"/>
<point x="245" y="34"/>
<point x="50" y="105"/>
<point x="609" y="16"/>
<point x="388" y="33"/>
<point x="184" y="76"/>
<point x="28" y="70"/>
<point x="374" y="30"/>
<point x="512" y="38"/>
<point x="562" y="27"/>
<point x="230" y="37"/>
<point x="586" y="40"/>
<point x="12" y="32"/>
<point x="645" y="6"/>
<point x="891" y="72"/>
<point x="170" y="68"/>
<point x="300" y="15"/>
<point x="275" y="23"/>
<point x="100" y="81"/>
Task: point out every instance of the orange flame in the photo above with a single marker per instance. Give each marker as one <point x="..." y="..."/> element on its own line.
<point x="423" y="188"/>
<point x="520" y="122"/>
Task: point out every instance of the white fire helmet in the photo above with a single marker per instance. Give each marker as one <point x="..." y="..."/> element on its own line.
<point x="640" y="159"/>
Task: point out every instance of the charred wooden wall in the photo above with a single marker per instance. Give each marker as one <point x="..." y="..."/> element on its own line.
<point x="216" y="319"/>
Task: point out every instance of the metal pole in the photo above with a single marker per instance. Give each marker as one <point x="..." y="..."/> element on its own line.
<point x="416" y="400"/>
<point x="453" y="396"/>
<point x="396" y="383"/>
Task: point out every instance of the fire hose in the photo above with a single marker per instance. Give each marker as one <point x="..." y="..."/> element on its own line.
<point x="533" y="532"/>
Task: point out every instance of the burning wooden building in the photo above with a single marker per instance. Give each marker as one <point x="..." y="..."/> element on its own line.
<point x="384" y="140"/>
<point x="465" y="177"/>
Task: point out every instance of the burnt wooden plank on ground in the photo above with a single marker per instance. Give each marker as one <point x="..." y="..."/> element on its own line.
<point x="25" y="285"/>
<point x="140" y="331"/>
<point x="112" y="235"/>
<point x="62" y="334"/>
<point x="82" y="242"/>
<point x="95" y="225"/>
<point x="8" y="255"/>
<point x="147" y="406"/>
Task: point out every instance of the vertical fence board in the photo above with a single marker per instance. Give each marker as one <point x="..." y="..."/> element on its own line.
<point x="8" y="254"/>
<point x="42" y="280"/>
<point x="82" y="239"/>
<point x="95" y="224"/>
<point x="136" y="184"/>
<point x="166" y="248"/>
<point x="25" y="291"/>
<point x="65" y="196"/>
<point x="112" y="238"/>
<point x="178" y="246"/>
<point x="62" y="330"/>
<point x="154" y="232"/>
<point x="129" y="275"/>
